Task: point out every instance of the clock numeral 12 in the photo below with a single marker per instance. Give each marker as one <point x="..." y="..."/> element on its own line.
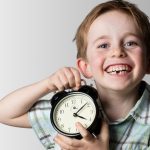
<point x="73" y="101"/>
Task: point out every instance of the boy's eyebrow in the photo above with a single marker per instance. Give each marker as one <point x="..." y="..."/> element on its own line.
<point x="101" y="38"/>
<point x="132" y="34"/>
<point x="125" y="35"/>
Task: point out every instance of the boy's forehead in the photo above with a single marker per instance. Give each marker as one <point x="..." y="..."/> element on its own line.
<point x="110" y="23"/>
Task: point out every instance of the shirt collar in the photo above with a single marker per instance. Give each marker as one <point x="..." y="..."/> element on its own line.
<point x="141" y="111"/>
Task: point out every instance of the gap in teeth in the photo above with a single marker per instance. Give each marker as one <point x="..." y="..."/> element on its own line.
<point x="118" y="72"/>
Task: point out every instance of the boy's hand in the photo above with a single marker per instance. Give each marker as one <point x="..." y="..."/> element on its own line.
<point x="64" y="78"/>
<point x="88" y="142"/>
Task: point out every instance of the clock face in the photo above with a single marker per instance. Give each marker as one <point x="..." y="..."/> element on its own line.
<point x="77" y="107"/>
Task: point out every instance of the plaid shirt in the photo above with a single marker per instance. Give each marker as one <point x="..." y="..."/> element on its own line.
<point x="130" y="133"/>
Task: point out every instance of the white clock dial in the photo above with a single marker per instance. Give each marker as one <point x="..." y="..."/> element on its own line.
<point x="77" y="107"/>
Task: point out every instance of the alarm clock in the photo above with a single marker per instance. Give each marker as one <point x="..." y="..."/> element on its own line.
<point x="69" y="107"/>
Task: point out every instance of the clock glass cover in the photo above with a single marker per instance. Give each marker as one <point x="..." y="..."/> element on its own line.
<point x="77" y="107"/>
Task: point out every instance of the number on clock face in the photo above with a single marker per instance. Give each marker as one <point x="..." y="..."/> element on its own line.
<point x="78" y="107"/>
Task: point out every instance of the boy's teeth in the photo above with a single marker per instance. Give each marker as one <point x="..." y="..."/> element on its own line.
<point x="118" y="69"/>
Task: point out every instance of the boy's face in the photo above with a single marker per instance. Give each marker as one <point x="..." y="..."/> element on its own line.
<point x="115" y="54"/>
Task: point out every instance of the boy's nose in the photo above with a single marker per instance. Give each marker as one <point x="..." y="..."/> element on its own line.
<point x="118" y="52"/>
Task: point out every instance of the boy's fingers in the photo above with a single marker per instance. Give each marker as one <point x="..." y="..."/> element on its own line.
<point x="77" y="77"/>
<point x="84" y="133"/>
<point x="66" y="142"/>
<point x="104" y="132"/>
<point x="70" y="77"/>
<point x="59" y="86"/>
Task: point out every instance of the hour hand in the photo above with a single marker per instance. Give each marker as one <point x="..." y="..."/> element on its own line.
<point x="76" y="115"/>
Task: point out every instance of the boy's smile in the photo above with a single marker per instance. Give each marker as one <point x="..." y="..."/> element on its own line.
<point x="118" y="69"/>
<point x="115" y="55"/>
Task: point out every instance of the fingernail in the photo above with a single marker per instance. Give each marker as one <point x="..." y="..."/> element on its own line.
<point x="76" y="88"/>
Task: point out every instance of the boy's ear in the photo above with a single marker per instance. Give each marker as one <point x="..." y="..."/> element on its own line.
<point x="84" y="68"/>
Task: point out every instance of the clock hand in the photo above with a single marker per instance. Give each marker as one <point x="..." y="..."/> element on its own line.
<point x="81" y="108"/>
<point x="76" y="115"/>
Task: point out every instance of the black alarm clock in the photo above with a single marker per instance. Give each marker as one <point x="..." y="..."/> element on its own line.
<point x="69" y="107"/>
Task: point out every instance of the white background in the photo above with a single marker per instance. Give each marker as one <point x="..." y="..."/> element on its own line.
<point x="35" y="40"/>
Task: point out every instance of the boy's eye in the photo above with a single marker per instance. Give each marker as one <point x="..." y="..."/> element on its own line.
<point x="103" y="45"/>
<point x="130" y="44"/>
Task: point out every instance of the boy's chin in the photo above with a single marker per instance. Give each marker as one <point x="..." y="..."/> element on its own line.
<point x="116" y="86"/>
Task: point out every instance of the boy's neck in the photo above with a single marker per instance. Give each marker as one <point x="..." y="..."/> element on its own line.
<point x="117" y="106"/>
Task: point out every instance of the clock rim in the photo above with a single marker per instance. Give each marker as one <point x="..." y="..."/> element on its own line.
<point x="90" y="128"/>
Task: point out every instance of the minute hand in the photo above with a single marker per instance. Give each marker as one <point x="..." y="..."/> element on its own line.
<point x="81" y="108"/>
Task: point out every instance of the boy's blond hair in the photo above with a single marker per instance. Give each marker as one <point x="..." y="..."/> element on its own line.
<point x="140" y="18"/>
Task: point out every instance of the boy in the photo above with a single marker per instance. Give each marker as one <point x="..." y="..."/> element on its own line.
<point x="113" y="49"/>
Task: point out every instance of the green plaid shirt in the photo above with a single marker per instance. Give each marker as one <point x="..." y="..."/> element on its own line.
<point x="130" y="133"/>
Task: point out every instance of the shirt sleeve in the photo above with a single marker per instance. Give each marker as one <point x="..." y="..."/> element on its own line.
<point x="39" y="117"/>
